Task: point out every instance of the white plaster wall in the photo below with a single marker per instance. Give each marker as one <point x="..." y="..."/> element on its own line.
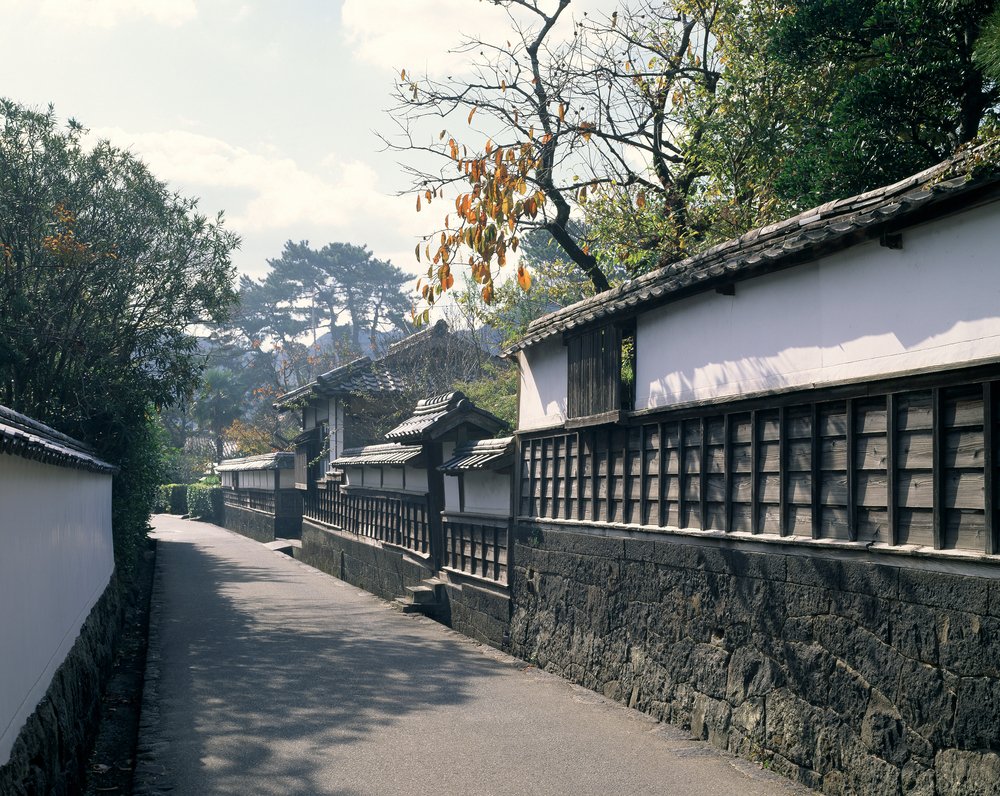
<point x="544" y="371"/>
<point x="866" y="312"/>
<point x="416" y="479"/>
<point x="451" y="494"/>
<point x="392" y="478"/>
<point x="336" y="414"/>
<point x="373" y="477"/>
<point x="56" y="559"/>
<point x="487" y="493"/>
<point x="352" y="475"/>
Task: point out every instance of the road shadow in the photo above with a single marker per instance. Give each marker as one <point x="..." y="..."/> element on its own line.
<point x="262" y="681"/>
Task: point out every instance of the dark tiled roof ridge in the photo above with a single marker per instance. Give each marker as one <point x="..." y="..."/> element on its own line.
<point x="275" y="458"/>
<point x="439" y="403"/>
<point x="740" y="256"/>
<point x="29" y="439"/>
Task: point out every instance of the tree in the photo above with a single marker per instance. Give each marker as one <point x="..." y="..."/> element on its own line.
<point x="104" y="273"/>
<point x="987" y="52"/>
<point x="563" y="120"/>
<point x="339" y="282"/>
<point x="899" y="90"/>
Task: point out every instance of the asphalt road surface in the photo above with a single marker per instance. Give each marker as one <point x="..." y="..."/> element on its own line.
<point x="266" y="676"/>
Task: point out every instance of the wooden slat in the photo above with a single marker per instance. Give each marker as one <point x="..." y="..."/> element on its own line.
<point x="783" y="470"/>
<point x="991" y="542"/>
<point x="852" y="470"/>
<point x="703" y="489"/>
<point x="754" y="474"/>
<point x="816" y="474"/>
<point x="937" y="432"/>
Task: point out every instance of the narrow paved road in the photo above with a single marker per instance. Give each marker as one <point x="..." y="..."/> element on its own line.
<point x="267" y="676"/>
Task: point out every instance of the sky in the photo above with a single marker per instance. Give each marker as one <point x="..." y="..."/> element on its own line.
<point x="265" y="110"/>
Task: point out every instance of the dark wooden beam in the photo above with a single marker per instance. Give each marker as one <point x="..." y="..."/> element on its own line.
<point x="783" y="471"/>
<point x="937" y="464"/>
<point x="990" y="467"/>
<point x="852" y="468"/>
<point x="754" y="474"/>
<point x="890" y="468"/>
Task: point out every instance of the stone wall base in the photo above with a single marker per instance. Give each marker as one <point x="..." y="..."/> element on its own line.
<point x="50" y="753"/>
<point x="849" y="676"/>
<point x="383" y="571"/>
<point x="260" y="525"/>
<point x="480" y="612"/>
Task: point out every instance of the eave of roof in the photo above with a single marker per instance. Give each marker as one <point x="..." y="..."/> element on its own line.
<point x="279" y="460"/>
<point x="358" y="375"/>
<point x="385" y="453"/>
<point x="29" y="439"/>
<point x="441" y="413"/>
<point x="484" y="454"/>
<point x="966" y="177"/>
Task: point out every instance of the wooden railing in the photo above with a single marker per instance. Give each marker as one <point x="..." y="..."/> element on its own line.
<point x="476" y="545"/>
<point x="392" y="517"/>
<point x="905" y="467"/>
<point x="256" y="500"/>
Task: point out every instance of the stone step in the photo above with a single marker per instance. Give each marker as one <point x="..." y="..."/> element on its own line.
<point x="423" y="594"/>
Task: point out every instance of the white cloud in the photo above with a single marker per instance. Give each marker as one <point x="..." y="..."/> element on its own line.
<point x="416" y="35"/>
<point x="278" y="199"/>
<point x="106" y="13"/>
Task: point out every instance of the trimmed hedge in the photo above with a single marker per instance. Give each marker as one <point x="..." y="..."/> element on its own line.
<point x="204" y="502"/>
<point x="173" y="499"/>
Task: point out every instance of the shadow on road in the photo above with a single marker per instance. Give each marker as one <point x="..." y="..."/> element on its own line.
<point x="263" y="676"/>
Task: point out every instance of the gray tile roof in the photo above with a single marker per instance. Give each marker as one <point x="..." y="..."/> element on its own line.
<point x="392" y="453"/>
<point x="280" y="460"/>
<point x="359" y="375"/>
<point x="957" y="182"/>
<point x="483" y="454"/>
<point x="433" y="416"/>
<point x="29" y="439"/>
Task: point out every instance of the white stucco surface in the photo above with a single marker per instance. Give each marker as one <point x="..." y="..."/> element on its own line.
<point x="56" y="559"/>
<point x="866" y="312"/>
<point x="544" y="371"/>
<point x="487" y="492"/>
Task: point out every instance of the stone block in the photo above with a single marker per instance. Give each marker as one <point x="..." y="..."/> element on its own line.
<point x="969" y="644"/>
<point x="943" y="590"/>
<point x="875" y="580"/>
<point x="807" y="671"/>
<point x="914" y="631"/>
<point x="961" y="773"/>
<point x="926" y="702"/>
<point x="882" y="730"/>
<point x="977" y="713"/>
<point x="581" y="544"/>
<point x="751" y="675"/>
<point x="792" y="727"/>
<point x="861" y="650"/>
<point x="710" y="719"/>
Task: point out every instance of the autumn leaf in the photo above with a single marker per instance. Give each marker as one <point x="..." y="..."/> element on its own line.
<point x="471" y="114"/>
<point x="524" y="278"/>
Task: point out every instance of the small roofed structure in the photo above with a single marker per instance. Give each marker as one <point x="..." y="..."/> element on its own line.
<point x="435" y="418"/>
<point x="477" y="508"/>
<point x="389" y="453"/>
<point x="482" y="454"/>
<point x="260" y="497"/>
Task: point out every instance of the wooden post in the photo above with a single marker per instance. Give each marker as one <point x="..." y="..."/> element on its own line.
<point x="754" y="475"/>
<point x="727" y="471"/>
<point x="783" y="471"/>
<point x="989" y="467"/>
<point x="937" y="465"/>
<point x="850" y="440"/>
<point x="703" y="474"/>
<point x="815" y="473"/>
<point x="890" y="468"/>
<point x="681" y="480"/>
